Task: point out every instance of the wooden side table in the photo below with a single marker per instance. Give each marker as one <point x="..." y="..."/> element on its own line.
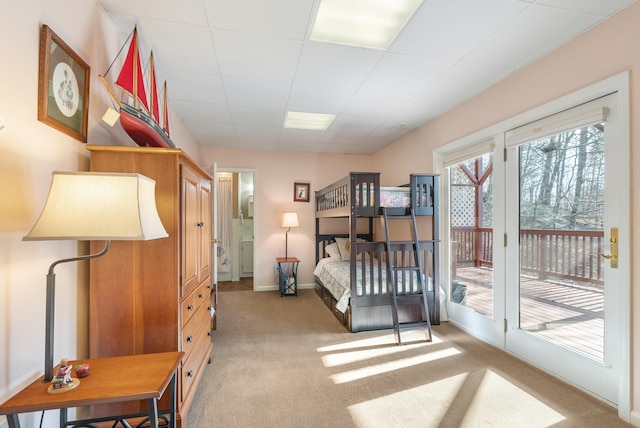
<point x="288" y="275"/>
<point x="110" y="380"/>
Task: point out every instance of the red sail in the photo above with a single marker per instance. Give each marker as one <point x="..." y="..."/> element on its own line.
<point x="153" y="89"/>
<point x="130" y="78"/>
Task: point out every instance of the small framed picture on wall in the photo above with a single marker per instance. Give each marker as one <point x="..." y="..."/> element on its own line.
<point x="301" y="192"/>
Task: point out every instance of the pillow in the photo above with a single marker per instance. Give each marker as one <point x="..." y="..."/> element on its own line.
<point x="333" y="251"/>
<point x="344" y="245"/>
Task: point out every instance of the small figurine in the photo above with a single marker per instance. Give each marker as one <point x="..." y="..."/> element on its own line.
<point x="62" y="381"/>
<point x="63" y="374"/>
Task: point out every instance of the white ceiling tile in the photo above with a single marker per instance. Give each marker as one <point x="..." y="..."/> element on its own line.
<point x="254" y="93"/>
<point x="535" y="32"/>
<point x="351" y="123"/>
<point x="282" y="18"/>
<point x="210" y="129"/>
<point x="335" y="65"/>
<point x="318" y="99"/>
<point x="404" y="75"/>
<point x="201" y="88"/>
<point x="375" y="103"/>
<point x="250" y="116"/>
<point x="603" y="8"/>
<point x="300" y="135"/>
<point x="201" y="111"/>
<point x="186" y="11"/>
<point x="171" y="44"/>
<point x="254" y="57"/>
<point x="452" y="29"/>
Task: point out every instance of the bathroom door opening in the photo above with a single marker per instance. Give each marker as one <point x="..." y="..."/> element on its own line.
<point x="236" y="224"/>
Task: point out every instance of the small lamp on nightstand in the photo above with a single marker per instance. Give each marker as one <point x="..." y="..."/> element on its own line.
<point x="289" y="219"/>
<point x="84" y="206"/>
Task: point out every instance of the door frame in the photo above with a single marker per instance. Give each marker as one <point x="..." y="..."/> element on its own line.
<point x="255" y="210"/>
<point x="618" y="83"/>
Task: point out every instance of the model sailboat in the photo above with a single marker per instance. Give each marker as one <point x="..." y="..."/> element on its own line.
<point x="140" y="116"/>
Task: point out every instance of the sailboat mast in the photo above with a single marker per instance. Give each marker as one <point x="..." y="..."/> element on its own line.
<point x="165" y="108"/>
<point x="136" y="61"/>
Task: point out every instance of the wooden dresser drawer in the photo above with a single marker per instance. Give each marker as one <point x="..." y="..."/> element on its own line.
<point x="193" y="362"/>
<point x="192" y="331"/>
<point x="193" y="301"/>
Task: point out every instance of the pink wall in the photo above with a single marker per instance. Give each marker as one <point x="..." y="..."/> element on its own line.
<point x="602" y="52"/>
<point x="273" y="194"/>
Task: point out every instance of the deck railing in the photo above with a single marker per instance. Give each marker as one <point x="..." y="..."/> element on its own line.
<point x="568" y="254"/>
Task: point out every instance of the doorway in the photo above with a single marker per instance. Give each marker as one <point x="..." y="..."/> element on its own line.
<point x="235" y="216"/>
<point x="538" y="220"/>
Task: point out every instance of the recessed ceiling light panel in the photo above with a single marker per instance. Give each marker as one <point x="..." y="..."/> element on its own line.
<point x="313" y="121"/>
<point x="366" y="23"/>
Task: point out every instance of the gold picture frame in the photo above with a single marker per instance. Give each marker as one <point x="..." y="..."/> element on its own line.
<point x="63" y="86"/>
<point x="301" y="192"/>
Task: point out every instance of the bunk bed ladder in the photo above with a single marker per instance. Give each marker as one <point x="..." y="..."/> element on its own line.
<point x="393" y="271"/>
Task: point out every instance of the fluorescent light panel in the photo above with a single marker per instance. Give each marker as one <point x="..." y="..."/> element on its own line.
<point x="366" y="23"/>
<point x="313" y="121"/>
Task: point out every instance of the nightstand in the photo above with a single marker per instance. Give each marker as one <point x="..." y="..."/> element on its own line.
<point x="288" y="275"/>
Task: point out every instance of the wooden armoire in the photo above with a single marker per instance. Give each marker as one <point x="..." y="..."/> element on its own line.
<point x="157" y="296"/>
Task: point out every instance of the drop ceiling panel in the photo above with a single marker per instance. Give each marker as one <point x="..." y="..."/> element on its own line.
<point x="318" y="99"/>
<point x="173" y="43"/>
<point x="256" y="57"/>
<point x="335" y="65"/>
<point x="256" y="93"/>
<point x="452" y="29"/>
<point x="185" y="11"/>
<point x="234" y="67"/>
<point x="404" y="75"/>
<point x="535" y="32"/>
<point x="247" y="116"/>
<point x="603" y="8"/>
<point x="281" y="18"/>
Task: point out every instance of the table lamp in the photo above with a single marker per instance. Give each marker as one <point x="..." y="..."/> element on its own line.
<point x="86" y="206"/>
<point x="289" y="219"/>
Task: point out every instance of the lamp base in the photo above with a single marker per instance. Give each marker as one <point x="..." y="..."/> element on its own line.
<point x="59" y="388"/>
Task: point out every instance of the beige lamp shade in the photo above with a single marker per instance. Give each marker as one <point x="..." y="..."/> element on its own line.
<point x="99" y="206"/>
<point x="290" y="219"/>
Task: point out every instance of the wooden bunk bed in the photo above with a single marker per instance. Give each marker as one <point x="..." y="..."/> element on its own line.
<point x="351" y="269"/>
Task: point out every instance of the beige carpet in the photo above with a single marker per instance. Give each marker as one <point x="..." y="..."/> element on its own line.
<point x="287" y="362"/>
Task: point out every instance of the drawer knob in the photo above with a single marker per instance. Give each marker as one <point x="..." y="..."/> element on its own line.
<point x="190" y="373"/>
<point x="200" y="296"/>
<point x="190" y="307"/>
<point x="190" y="339"/>
<point x="201" y="224"/>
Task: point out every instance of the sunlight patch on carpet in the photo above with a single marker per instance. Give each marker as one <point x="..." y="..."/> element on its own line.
<point x="385" y="339"/>
<point x="497" y="396"/>
<point x="422" y="406"/>
<point x="402" y="363"/>
<point x="339" y="359"/>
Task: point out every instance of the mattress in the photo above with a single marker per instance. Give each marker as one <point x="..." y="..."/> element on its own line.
<point x="335" y="276"/>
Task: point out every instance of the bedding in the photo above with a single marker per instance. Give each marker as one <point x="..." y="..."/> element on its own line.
<point x="335" y="275"/>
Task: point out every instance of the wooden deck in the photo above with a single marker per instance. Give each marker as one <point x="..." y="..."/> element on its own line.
<point x="568" y="314"/>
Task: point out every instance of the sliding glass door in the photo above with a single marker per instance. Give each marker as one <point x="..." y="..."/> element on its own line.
<point x="538" y="256"/>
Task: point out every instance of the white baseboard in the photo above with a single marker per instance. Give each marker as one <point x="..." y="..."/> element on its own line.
<point x="635" y="418"/>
